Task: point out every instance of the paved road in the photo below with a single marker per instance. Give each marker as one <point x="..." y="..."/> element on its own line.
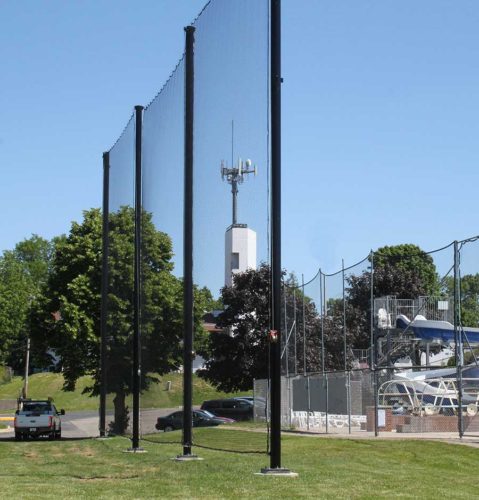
<point x="84" y="424"/>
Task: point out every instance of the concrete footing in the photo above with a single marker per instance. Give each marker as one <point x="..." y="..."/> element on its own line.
<point x="267" y="471"/>
<point x="187" y="458"/>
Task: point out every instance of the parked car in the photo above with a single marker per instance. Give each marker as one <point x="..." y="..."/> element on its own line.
<point x="246" y="398"/>
<point x="226" y="420"/>
<point x="36" y="418"/>
<point x="174" y="421"/>
<point x="239" y="409"/>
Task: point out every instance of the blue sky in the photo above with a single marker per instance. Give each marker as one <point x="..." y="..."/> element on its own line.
<point x="380" y="116"/>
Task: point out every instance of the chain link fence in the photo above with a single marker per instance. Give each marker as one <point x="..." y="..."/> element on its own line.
<point x="376" y="361"/>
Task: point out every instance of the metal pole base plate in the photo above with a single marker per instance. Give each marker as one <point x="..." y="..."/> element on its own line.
<point x="267" y="471"/>
<point x="186" y="458"/>
<point x="135" y="450"/>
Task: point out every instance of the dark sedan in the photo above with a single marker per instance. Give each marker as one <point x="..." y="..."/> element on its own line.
<point x="175" y="421"/>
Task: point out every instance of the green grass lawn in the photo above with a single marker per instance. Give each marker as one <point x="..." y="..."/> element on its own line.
<point x="43" y="385"/>
<point x="328" y="468"/>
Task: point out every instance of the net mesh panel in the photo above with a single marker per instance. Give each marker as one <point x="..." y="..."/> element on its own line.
<point x="291" y="320"/>
<point x="231" y="126"/>
<point x="121" y="281"/>
<point x="468" y="329"/>
<point x="333" y="320"/>
<point x="356" y="315"/>
<point x="161" y="260"/>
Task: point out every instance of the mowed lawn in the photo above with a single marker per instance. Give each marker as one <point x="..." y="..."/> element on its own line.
<point x="328" y="468"/>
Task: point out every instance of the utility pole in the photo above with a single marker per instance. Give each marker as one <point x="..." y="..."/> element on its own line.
<point x="27" y="366"/>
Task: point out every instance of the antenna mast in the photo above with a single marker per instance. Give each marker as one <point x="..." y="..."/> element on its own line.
<point x="235" y="176"/>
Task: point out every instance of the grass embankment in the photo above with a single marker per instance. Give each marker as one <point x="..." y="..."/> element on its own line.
<point x="43" y="385"/>
<point x="328" y="468"/>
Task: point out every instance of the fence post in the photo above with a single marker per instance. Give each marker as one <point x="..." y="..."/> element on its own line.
<point x="309" y="400"/>
<point x="304" y="327"/>
<point x="321" y="305"/>
<point x="373" y="348"/>
<point x="458" y="338"/>
<point x="348" y="394"/>
<point x="286" y="336"/>
<point x="290" y="402"/>
<point x="327" y="402"/>
<point x="295" y="330"/>
<point x="345" y="345"/>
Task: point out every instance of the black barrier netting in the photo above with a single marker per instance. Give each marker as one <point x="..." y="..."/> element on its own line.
<point x="292" y="340"/>
<point x="231" y="215"/>
<point x="356" y="323"/>
<point x="468" y="295"/>
<point x="120" y="281"/>
<point x="161" y="260"/>
<point x="312" y="303"/>
<point x="332" y="320"/>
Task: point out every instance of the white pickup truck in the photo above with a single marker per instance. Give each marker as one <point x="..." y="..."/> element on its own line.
<point x="36" y="418"/>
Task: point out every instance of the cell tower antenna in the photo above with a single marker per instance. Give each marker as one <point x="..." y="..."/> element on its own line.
<point x="236" y="175"/>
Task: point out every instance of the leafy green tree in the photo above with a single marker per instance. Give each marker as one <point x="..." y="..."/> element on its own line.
<point x="69" y="319"/>
<point x="405" y="271"/>
<point x="35" y="253"/>
<point x="239" y="354"/>
<point x="15" y="291"/>
<point x="23" y="274"/>
<point x="469" y="293"/>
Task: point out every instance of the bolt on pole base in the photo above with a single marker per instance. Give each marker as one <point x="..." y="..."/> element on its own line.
<point x="279" y="471"/>
<point x="187" y="458"/>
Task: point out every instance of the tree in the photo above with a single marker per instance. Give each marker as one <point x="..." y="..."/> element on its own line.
<point x="239" y="354"/>
<point x="404" y="271"/>
<point x="469" y="294"/>
<point x="23" y="274"/>
<point x="69" y="317"/>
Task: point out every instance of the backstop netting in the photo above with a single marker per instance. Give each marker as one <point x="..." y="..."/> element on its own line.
<point x="162" y="260"/>
<point x="120" y="312"/>
<point x="231" y="214"/>
<point x="328" y="384"/>
<point x="467" y="334"/>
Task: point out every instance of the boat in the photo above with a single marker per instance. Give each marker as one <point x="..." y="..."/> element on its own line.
<point x="430" y="330"/>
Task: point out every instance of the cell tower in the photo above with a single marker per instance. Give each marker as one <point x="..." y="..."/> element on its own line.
<point x="235" y="176"/>
<point x="240" y="241"/>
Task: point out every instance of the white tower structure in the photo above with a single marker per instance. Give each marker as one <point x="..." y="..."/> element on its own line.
<point x="240" y="241"/>
<point x="240" y="250"/>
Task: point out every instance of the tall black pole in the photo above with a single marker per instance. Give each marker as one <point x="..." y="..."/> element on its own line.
<point x="188" y="246"/>
<point x="275" y="352"/>
<point x="104" y="292"/>
<point x="136" y="293"/>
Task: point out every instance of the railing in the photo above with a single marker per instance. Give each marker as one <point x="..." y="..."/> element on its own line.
<point x="429" y="397"/>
